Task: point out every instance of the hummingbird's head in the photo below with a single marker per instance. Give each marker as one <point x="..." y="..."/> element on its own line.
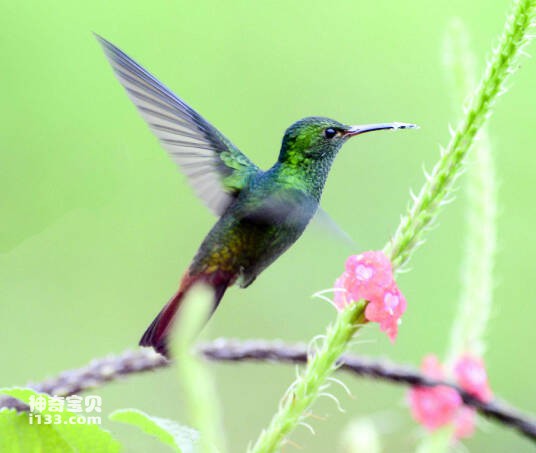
<point x="316" y="138"/>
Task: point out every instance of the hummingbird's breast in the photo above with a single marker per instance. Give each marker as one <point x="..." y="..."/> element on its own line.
<point x="261" y="224"/>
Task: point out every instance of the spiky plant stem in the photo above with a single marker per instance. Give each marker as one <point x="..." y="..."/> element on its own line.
<point x="503" y="62"/>
<point x="304" y="391"/>
<point x="467" y="333"/>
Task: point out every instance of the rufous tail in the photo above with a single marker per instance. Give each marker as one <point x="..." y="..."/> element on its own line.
<point x="157" y="333"/>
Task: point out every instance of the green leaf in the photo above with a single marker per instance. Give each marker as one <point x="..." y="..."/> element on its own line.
<point x="20" y="434"/>
<point x="17" y="435"/>
<point x="181" y="438"/>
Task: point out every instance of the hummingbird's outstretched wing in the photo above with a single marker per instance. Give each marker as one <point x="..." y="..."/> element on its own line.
<point x="215" y="167"/>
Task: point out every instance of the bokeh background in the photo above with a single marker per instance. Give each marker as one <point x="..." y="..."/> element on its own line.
<point x="97" y="225"/>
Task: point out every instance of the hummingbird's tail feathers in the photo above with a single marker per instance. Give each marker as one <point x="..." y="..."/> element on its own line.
<point x="158" y="332"/>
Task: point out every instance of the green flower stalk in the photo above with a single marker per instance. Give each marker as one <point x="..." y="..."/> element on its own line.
<point x="438" y="185"/>
<point x="477" y="269"/>
<point x="434" y="193"/>
<point x="310" y="385"/>
<point x="481" y="211"/>
<point x="199" y="388"/>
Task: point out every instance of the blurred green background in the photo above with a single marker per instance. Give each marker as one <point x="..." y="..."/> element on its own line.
<point x="97" y="225"/>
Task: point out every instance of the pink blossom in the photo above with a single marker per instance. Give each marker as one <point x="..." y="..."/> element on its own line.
<point x="439" y="406"/>
<point x="369" y="276"/>
<point x="387" y="311"/>
<point x="432" y="368"/>
<point x="472" y="377"/>
<point x="464" y="422"/>
<point x="434" y="407"/>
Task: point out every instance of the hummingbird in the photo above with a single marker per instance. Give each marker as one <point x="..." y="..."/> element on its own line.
<point x="261" y="213"/>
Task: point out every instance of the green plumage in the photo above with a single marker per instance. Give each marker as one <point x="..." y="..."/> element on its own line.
<point x="274" y="207"/>
<point x="262" y="213"/>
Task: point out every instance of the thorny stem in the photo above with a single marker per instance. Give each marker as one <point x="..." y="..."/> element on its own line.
<point x="112" y="368"/>
<point x="307" y="387"/>
<point x="439" y="182"/>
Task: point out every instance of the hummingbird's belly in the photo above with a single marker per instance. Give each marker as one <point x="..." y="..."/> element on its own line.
<point x="266" y="248"/>
<point x="249" y="244"/>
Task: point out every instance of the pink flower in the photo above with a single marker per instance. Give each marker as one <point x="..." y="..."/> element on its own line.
<point x="432" y="368"/>
<point x="438" y="406"/>
<point x="369" y="276"/>
<point x="472" y="377"/>
<point x="387" y="311"/>
<point x="464" y="422"/>
<point x="434" y="407"/>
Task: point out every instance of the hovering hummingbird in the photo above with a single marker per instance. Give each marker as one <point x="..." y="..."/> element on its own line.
<point x="261" y="213"/>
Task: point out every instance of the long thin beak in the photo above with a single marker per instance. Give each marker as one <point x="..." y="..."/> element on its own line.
<point x="361" y="129"/>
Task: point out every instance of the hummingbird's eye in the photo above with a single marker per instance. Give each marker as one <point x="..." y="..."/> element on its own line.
<point x="330" y="132"/>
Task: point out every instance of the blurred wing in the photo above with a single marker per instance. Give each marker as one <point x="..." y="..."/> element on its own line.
<point x="325" y="224"/>
<point x="216" y="169"/>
